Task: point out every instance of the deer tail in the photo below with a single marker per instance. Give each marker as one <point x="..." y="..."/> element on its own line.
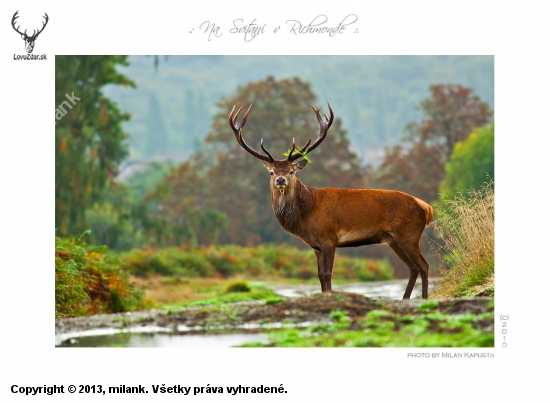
<point x="427" y="209"/>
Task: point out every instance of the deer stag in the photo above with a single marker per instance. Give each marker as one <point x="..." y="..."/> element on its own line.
<point x="29" y="40"/>
<point x="330" y="218"/>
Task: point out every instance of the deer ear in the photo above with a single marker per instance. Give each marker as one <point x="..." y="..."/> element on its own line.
<point x="267" y="165"/>
<point x="298" y="166"/>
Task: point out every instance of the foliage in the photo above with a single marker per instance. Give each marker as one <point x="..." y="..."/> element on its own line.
<point x="238" y="286"/>
<point x="118" y="220"/>
<point x="143" y="180"/>
<point x="121" y="220"/>
<point x="226" y="261"/>
<point x="471" y="162"/>
<point x="418" y="167"/>
<point x="465" y="229"/>
<point x="89" y="140"/>
<point x="301" y="151"/>
<point x="178" y="210"/>
<point x="89" y="280"/>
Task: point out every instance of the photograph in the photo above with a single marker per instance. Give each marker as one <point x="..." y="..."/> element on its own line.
<point x="178" y="225"/>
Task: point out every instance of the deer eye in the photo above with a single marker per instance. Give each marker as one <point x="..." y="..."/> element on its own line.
<point x="292" y="172"/>
<point x="271" y="173"/>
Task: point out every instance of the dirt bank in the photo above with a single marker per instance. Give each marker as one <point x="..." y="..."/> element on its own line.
<point x="256" y="315"/>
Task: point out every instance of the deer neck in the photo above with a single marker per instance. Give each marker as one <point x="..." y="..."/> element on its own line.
<point x="292" y="206"/>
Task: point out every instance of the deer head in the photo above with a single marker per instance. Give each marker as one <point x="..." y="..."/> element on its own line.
<point x="283" y="172"/>
<point x="29" y="40"/>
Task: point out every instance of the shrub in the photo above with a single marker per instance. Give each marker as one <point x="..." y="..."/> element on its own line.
<point x="228" y="260"/>
<point x="471" y="162"/>
<point x="89" y="280"/>
<point x="465" y="227"/>
<point x="239" y="286"/>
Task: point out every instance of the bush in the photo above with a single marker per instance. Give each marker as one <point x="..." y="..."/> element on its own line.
<point x="465" y="226"/>
<point x="239" y="286"/>
<point x="472" y="161"/>
<point x="229" y="260"/>
<point x="90" y="280"/>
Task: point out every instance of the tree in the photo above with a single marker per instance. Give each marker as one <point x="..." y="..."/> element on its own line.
<point x="89" y="140"/>
<point x="472" y="163"/>
<point x="417" y="167"/>
<point x="117" y="221"/>
<point x="177" y="212"/>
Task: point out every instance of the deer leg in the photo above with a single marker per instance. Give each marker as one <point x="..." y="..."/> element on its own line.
<point x="413" y="271"/>
<point x="320" y="272"/>
<point x="328" y="261"/>
<point x="424" y="275"/>
<point x="412" y="251"/>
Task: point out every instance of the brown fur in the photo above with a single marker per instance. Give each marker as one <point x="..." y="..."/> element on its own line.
<point x="330" y="218"/>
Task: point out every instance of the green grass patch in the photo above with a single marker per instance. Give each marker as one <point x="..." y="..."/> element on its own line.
<point x="254" y="294"/>
<point x="427" y="306"/>
<point x="381" y="328"/>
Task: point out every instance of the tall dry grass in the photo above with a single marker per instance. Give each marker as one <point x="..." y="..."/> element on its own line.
<point x="466" y="241"/>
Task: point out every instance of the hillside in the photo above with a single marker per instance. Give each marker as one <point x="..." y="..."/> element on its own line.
<point x="375" y="96"/>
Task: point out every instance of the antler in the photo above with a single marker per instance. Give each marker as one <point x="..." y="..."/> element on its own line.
<point x="238" y="130"/>
<point x="34" y="33"/>
<point x="43" y="26"/>
<point x="15" y="16"/>
<point x="324" y="125"/>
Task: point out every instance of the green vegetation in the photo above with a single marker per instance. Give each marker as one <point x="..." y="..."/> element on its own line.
<point x="472" y="161"/>
<point x="465" y="228"/>
<point x="89" y="280"/>
<point x="238" y="286"/>
<point x="228" y="297"/>
<point x="417" y="165"/>
<point x="381" y="328"/>
<point x="264" y="260"/>
<point x="89" y="140"/>
<point x="427" y="306"/>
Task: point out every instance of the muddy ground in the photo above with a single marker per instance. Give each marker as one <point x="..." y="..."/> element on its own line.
<point x="259" y="315"/>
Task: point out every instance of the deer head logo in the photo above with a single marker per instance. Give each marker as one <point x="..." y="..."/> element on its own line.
<point x="29" y="40"/>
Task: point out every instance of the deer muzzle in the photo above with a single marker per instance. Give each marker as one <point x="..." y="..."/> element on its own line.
<point x="29" y="46"/>
<point x="280" y="181"/>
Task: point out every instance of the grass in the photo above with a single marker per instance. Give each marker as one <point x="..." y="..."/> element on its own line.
<point x="465" y="228"/>
<point x="224" y="293"/>
<point x="381" y="328"/>
<point x="179" y="291"/>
